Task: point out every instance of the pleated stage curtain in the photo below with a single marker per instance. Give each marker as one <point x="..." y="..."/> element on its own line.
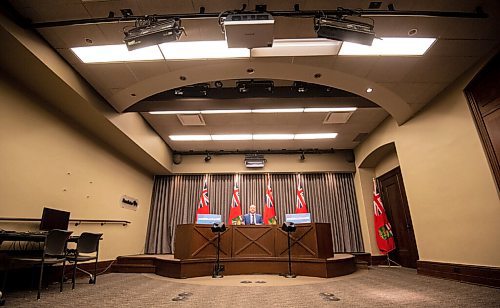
<point x="330" y="197"/>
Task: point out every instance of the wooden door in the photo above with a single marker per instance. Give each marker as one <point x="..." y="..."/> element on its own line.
<point x="394" y="199"/>
<point x="483" y="94"/>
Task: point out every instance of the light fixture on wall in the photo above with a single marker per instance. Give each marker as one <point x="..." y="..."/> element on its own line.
<point x="302" y="156"/>
<point x="208" y="158"/>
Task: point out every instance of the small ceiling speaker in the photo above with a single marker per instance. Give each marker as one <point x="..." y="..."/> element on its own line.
<point x="177" y="158"/>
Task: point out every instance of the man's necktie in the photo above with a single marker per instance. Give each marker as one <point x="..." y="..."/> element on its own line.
<point x="252" y="222"/>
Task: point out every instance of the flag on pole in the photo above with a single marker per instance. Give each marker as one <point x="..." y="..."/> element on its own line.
<point x="204" y="204"/>
<point x="269" y="210"/>
<point x="383" y="231"/>
<point x="301" y="201"/>
<point x="235" y="217"/>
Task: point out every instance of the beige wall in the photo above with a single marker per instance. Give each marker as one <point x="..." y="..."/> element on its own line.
<point x="389" y="162"/>
<point x="274" y="163"/>
<point x="451" y="193"/>
<point x="46" y="161"/>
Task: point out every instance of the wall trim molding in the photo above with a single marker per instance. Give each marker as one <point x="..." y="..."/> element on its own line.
<point x="483" y="275"/>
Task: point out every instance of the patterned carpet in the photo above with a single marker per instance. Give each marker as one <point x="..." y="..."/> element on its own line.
<point x="373" y="287"/>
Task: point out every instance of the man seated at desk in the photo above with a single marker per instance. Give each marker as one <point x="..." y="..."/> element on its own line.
<point x="252" y="218"/>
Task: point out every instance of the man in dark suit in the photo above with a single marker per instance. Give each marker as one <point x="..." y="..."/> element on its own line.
<point x="252" y="218"/>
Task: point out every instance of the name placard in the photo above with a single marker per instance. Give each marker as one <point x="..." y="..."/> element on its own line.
<point x="129" y="203"/>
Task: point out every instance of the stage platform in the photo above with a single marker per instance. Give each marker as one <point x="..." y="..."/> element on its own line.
<point x="168" y="266"/>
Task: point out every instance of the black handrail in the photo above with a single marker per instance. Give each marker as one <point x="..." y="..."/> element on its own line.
<point x="75" y="221"/>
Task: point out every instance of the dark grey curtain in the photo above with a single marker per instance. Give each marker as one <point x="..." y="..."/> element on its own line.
<point x="330" y="197"/>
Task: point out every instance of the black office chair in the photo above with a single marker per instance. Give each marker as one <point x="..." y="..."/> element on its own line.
<point x="54" y="250"/>
<point x="88" y="243"/>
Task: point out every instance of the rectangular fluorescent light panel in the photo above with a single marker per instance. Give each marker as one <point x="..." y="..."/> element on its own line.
<point x="282" y="110"/>
<point x="223" y="111"/>
<point x="190" y="137"/>
<point x="232" y="137"/>
<point x="389" y="46"/>
<point x="201" y="50"/>
<point x="237" y="137"/>
<point x="316" y="136"/>
<point x="116" y="53"/>
<point x="299" y="47"/>
<point x="273" y="136"/>
<point x="336" y="109"/>
<point x="269" y="110"/>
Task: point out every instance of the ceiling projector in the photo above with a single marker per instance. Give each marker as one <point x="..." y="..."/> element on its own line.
<point x="249" y="30"/>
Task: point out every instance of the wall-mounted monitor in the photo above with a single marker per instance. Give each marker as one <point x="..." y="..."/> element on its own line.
<point x="303" y="218"/>
<point x="208" y="219"/>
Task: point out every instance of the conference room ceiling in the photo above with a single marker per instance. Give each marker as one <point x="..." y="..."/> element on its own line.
<point x="461" y="43"/>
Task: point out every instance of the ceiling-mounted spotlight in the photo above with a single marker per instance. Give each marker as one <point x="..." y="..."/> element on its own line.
<point x="302" y="156"/>
<point x="208" y="158"/>
<point x="300" y="87"/>
<point x="257" y="86"/>
<point x="219" y="84"/>
<point x="341" y="29"/>
<point x="148" y="31"/>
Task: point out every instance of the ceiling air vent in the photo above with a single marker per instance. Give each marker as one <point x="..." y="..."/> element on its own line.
<point x="191" y="119"/>
<point x="337" y="117"/>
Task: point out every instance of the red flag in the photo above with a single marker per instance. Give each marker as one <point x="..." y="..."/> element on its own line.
<point x="383" y="232"/>
<point x="269" y="210"/>
<point x="204" y="204"/>
<point x="301" y="201"/>
<point x="235" y="217"/>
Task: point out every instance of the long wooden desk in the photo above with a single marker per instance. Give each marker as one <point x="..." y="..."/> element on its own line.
<point x="253" y="250"/>
<point x="308" y="241"/>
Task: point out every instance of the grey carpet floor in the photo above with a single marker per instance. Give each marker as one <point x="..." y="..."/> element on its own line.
<point x="374" y="287"/>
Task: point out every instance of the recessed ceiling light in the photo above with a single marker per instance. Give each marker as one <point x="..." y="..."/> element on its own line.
<point x="232" y="137"/>
<point x="243" y="137"/>
<point x="116" y="53"/>
<point x="316" y="136"/>
<point x="263" y="110"/>
<point x="369" y="90"/>
<point x="278" y="110"/>
<point x="273" y="136"/>
<point x="190" y="137"/>
<point x="335" y="109"/>
<point x="223" y="111"/>
<point x="201" y="50"/>
<point x="389" y="46"/>
<point x="298" y="47"/>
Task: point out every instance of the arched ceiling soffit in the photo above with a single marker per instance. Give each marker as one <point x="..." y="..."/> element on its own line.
<point x="372" y="159"/>
<point x="392" y="103"/>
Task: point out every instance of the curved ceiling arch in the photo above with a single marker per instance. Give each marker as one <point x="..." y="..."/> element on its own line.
<point x="375" y="156"/>
<point x="398" y="108"/>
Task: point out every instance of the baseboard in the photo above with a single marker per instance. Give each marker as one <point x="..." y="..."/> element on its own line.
<point x="483" y="275"/>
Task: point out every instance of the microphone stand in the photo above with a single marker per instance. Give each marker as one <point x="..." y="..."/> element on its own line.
<point x="290" y="274"/>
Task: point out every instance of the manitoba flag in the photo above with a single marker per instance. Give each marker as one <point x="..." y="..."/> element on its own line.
<point x="301" y="201"/>
<point x="204" y="204"/>
<point x="383" y="231"/>
<point x="269" y="210"/>
<point x="235" y="217"/>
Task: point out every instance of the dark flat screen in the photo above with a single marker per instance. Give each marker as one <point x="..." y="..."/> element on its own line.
<point x="54" y="219"/>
